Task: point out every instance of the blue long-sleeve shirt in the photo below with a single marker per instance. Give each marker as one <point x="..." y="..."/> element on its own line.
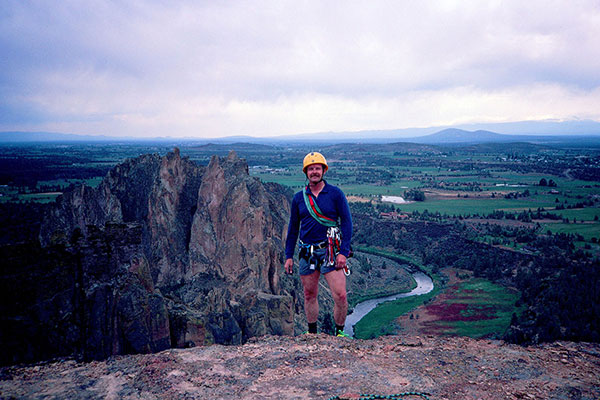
<point x="333" y="204"/>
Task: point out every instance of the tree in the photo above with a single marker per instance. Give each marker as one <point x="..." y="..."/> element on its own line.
<point x="414" y="194"/>
<point x="543" y="182"/>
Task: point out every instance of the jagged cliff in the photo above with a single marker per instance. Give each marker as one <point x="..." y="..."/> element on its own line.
<point x="163" y="253"/>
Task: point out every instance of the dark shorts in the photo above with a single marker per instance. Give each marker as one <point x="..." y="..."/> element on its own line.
<point x="318" y="262"/>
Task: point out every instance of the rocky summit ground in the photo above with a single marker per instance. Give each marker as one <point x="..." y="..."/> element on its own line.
<point x="323" y="367"/>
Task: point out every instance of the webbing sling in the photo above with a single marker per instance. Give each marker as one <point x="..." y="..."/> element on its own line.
<point x="315" y="212"/>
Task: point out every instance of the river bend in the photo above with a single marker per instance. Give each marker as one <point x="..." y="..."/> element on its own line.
<point x="424" y="285"/>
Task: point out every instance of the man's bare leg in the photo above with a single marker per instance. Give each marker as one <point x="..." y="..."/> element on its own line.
<point x="310" y="283"/>
<point x="337" y="283"/>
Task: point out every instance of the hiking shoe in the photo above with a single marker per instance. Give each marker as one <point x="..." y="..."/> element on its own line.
<point x="343" y="334"/>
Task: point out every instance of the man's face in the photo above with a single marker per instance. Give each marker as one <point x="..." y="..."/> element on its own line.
<point x="314" y="173"/>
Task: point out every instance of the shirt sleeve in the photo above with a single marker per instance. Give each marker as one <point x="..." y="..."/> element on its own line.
<point x="345" y="224"/>
<point x="293" y="229"/>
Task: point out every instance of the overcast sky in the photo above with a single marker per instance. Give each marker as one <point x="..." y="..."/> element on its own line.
<point x="266" y="68"/>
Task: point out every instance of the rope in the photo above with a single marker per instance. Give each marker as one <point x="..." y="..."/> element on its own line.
<point x="397" y="396"/>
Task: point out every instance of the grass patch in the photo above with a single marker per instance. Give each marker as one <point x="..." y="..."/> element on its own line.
<point x="587" y="230"/>
<point x="39" y="197"/>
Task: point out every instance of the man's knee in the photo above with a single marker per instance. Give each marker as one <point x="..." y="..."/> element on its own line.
<point x="340" y="297"/>
<point x="310" y="294"/>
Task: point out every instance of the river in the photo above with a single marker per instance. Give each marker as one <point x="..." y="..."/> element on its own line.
<point x="424" y="285"/>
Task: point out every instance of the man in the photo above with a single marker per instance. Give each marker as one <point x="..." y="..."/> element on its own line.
<point x="318" y="204"/>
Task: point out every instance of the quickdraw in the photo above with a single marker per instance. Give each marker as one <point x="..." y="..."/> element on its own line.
<point x="334" y="241"/>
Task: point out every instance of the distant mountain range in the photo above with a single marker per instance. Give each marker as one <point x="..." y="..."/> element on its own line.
<point x="454" y="136"/>
<point x="20" y="137"/>
<point x="543" y="132"/>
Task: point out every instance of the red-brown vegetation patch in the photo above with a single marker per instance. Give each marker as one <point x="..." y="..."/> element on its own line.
<point x="451" y="306"/>
<point x="460" y="312"/>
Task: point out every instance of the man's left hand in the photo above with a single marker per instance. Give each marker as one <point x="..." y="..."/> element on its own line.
<point x="340" y="261"/>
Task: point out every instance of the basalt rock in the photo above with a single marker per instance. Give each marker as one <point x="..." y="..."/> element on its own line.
<point x="92" y="297"/>
<point x="162" y="253"/>
<point x="325" y="367"/>
<point x="121" y="310"/>
<point x="237" y="229"/>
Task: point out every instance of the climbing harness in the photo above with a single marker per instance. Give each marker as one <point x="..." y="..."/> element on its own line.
<point x="334" y="234"/>
<point x="397" y="396"/>
<point x="307" y="251"/>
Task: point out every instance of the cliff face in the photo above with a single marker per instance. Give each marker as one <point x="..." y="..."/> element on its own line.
<point x="162" y="253"/>
<point x="237" y="229"/>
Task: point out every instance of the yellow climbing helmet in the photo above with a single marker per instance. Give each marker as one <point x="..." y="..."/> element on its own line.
<point x="314" y="158"/>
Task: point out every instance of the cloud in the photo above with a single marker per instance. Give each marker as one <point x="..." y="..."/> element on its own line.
<point x="269" y="68"/>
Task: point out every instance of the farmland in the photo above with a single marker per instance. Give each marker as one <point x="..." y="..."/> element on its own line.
<point x="514" y="204"/>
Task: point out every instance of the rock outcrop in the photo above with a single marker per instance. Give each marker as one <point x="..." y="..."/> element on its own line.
<point x="162" y="253"/>
<point x="324" y="367"/>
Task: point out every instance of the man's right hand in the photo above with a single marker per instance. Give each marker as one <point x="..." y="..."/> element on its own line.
<point x="289" y="266"/>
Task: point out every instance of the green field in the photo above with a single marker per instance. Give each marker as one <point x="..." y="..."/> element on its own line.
<point x="456" y="181"/>
<point x="587" y="230"/>
<point x="39" y="197"/>
<point x="468" y="193"/>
